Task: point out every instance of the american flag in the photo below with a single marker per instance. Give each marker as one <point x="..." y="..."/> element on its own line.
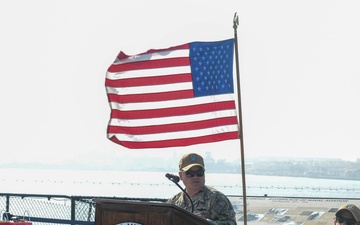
<point x="178" y="96"/>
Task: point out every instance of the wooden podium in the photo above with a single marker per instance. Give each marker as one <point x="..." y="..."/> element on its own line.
<point x="112" y="212"/>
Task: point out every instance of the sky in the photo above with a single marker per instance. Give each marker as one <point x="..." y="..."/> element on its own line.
<point x="299" y="74"/>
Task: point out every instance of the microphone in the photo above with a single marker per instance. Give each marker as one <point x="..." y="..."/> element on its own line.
<point x="176" y="179"/>
<point x="173" y="177"/>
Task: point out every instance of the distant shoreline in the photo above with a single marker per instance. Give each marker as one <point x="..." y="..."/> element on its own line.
<point x="165" y="171"/>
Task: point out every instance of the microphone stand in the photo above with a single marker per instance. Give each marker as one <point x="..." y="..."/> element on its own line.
<point x="191" y="201"/>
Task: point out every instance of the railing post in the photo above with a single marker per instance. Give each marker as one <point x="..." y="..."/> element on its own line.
<point x="7" y="203"/>
<point x="72" y="210"/>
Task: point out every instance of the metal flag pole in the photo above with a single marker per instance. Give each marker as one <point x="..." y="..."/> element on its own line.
<point x="236" y="23"/>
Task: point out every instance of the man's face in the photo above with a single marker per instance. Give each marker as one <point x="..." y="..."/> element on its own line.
<point x="192" y="179"/>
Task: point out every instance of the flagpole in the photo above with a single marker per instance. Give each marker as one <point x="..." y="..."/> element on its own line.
<point x="236" y="23"/>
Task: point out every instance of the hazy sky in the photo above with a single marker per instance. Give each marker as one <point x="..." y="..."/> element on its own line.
<point x="299" y="68"/>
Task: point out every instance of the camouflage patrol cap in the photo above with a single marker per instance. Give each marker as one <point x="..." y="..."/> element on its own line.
<point x="189" y="160"/>
<point x="353" y="209"/>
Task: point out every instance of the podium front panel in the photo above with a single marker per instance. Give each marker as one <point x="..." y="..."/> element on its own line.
<point x="112" y="212"/>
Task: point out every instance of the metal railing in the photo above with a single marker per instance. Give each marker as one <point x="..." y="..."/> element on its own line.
<point x="52" y="209"/>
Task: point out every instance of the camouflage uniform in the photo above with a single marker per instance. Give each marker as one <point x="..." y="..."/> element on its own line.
<point x="211" y="203"/>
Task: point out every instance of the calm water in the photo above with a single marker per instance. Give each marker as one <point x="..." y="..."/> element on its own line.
<point x="156" y="185"/>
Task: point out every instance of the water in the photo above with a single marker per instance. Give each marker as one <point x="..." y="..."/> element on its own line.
<point x="156" y="185"/>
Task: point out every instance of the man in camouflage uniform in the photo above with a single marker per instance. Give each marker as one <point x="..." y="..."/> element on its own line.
<point x="209" y="203"/>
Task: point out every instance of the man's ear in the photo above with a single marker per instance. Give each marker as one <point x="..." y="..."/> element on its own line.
<point x="180" y="175"/>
